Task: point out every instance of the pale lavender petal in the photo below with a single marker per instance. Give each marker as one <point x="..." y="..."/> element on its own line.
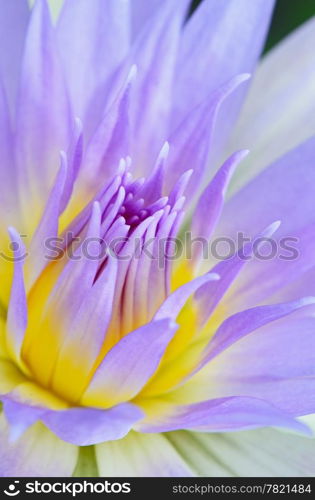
<point x="14" y="16"/>
<point x="80" y="426"/>
<point x="129" y="364"/>
<point x="93" y="37"/>
<point x="68" y="293"/>
<point x="221" y="40"/>
<point x="210" y="204"/>
<point x="17" y="312"/>
<point x="277" y="115"/>
<point x="155" y="53"/>
<point x="7" y="167"/>
<point x="142" y="13"/>
<point x="273" y="194"/>
<point x="209" y="295"/>
<point x="285" y="191"/>
<point x="47" y="228"/>
<point x="85" y="335"/>
<point x="176" y="301"/>
<point x="243" y="323"/>
<point x="275" y="363"/>
<point x="191" y="141"/>
<point x="223" y="414"/>
<point x="110" y="142"/>
<point x="43" y="118"/>
<point x="74" y="160"/>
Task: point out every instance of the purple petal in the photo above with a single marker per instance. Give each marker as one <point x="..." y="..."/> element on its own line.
<point x="209" y="295"/>
<point x="176" y="301"/>
<point x="63" y="301"/>
<point x="285" y="191"/>
<point x="80" y="426"/>
<point x="93" y="37"/>
<point x="190" y="142"/>
<point x="211" y="201"/>
<point x="43" y="120"/>
<point x="142" y="13"/>
<point x="81" y="344"/>
<point x="47" y="228"/>
<point x="221" y="415"/>
<point x="129" y="364"/>
<point x="110" y="142"/>
<point x="241" y="324"/>
<point x="7" y="166"/>
<point x="275" y="363"/>
<point x="14" y="15"/>
<point x="210" y="55"/>
<point x="17" y="311"/>
<point x="154" y="53"/>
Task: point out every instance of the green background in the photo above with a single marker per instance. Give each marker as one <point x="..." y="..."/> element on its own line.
<point x="287" y="16"/>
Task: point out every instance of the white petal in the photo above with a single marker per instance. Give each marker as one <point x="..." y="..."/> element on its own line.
<point x="279" y="111"/>
<point x="263" y="452"/>
<point x="140" y="455"/>
<point x="37" y="453"/>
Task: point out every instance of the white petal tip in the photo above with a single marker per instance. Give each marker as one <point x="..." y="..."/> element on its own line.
<point x="132" y="73"/>
<point x="307" y="301"/>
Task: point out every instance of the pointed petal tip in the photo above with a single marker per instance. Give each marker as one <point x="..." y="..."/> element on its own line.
<point x="271" y="229"/>
<point x="14" y="234"/>
<point x="242" y="153"/>
<point x="305" y="301"/>
<point x="214" y="277"/>
<point x="132" y="74"/>
<point x="164" y="151"/>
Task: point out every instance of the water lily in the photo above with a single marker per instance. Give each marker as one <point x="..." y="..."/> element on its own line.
<point x="116" y="359"/>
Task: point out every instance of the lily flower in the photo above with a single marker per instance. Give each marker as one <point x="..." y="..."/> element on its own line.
<point x="125" y="350"/>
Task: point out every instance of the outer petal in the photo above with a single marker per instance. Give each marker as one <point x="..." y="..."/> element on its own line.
<point x="190" y="142"/>
<point x="245" y="322"/>
<point x="154" y="53"/>
<point x="221" y="40"/>
<point x="279" y="111"/>
<point x="43" y="119"/>
<point x="141" y="455"/>
<point x="275" y="363"/>
<point x="7" y="170"/>
<point x="260" y="452"/>
<point x="283" y="191"/>
<point x="141" y="13"/>
<point x="93" y="37"/>
<point x="210" y="203"/>
<point x="37" y="453"/>
<point x="14" y="16"/>
<point x="77" y="425"/>
<point x="222" y="414"/>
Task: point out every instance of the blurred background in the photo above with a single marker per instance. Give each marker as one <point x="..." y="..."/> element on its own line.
<point x="287" y="16"/>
